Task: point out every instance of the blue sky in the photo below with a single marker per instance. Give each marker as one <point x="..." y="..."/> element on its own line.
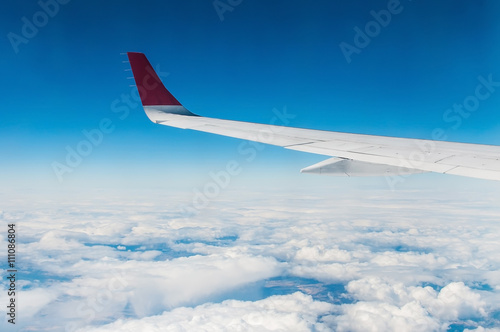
<point x="259" y="57"/>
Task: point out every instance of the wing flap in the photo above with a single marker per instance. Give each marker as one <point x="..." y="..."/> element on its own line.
<point x="475" y="173"/>
<point x="348" y="167"/>
<point x="376" y="159"/>
<point x="473" y="161"/>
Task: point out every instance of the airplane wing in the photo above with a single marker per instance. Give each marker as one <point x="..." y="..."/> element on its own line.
<point x="350" y="154"/>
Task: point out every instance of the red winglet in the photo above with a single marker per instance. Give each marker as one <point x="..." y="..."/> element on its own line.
<point x="151" y="89"/>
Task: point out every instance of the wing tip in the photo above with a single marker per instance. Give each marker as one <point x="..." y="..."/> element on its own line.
<point x="150" y="87"/>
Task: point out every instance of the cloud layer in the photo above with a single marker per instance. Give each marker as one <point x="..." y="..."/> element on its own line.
<point x="405" y="261"/>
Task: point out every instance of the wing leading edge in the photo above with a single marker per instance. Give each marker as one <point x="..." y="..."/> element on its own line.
<point x="351" y="154"/>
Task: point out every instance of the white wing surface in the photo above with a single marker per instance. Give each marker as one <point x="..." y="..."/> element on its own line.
<point x="352" y="154"/>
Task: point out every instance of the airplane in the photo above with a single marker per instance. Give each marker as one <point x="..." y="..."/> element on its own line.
<point x="349" y="154"/>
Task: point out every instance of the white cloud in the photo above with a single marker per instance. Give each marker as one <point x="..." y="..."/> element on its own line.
<point x="482" y="329"/>
<point x="319" y="253"/>
<point x="331" y="273"/>
<point x="392" y="306"/>
<point x="294" y="312"/>
<point x="408" y="260"/>
<point x="457" y="301"/>
<point x="379" y="316"/>
<point x="148" y="288"/>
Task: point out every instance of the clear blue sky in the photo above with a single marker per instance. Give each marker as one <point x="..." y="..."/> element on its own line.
<point x="262" y="55"/>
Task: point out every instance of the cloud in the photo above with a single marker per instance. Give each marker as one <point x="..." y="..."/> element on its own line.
<point x="392" y="306"/>
<point x="482" y="329"/>
<point x="329" y="273"/>
<point x="373" y="260"/>
<point x="376" y="316"/>
<point x="293" y="312"/>
<point x="319" y="253"/>
<point x="457" y="301"/>
<point x="108" y="286"/>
